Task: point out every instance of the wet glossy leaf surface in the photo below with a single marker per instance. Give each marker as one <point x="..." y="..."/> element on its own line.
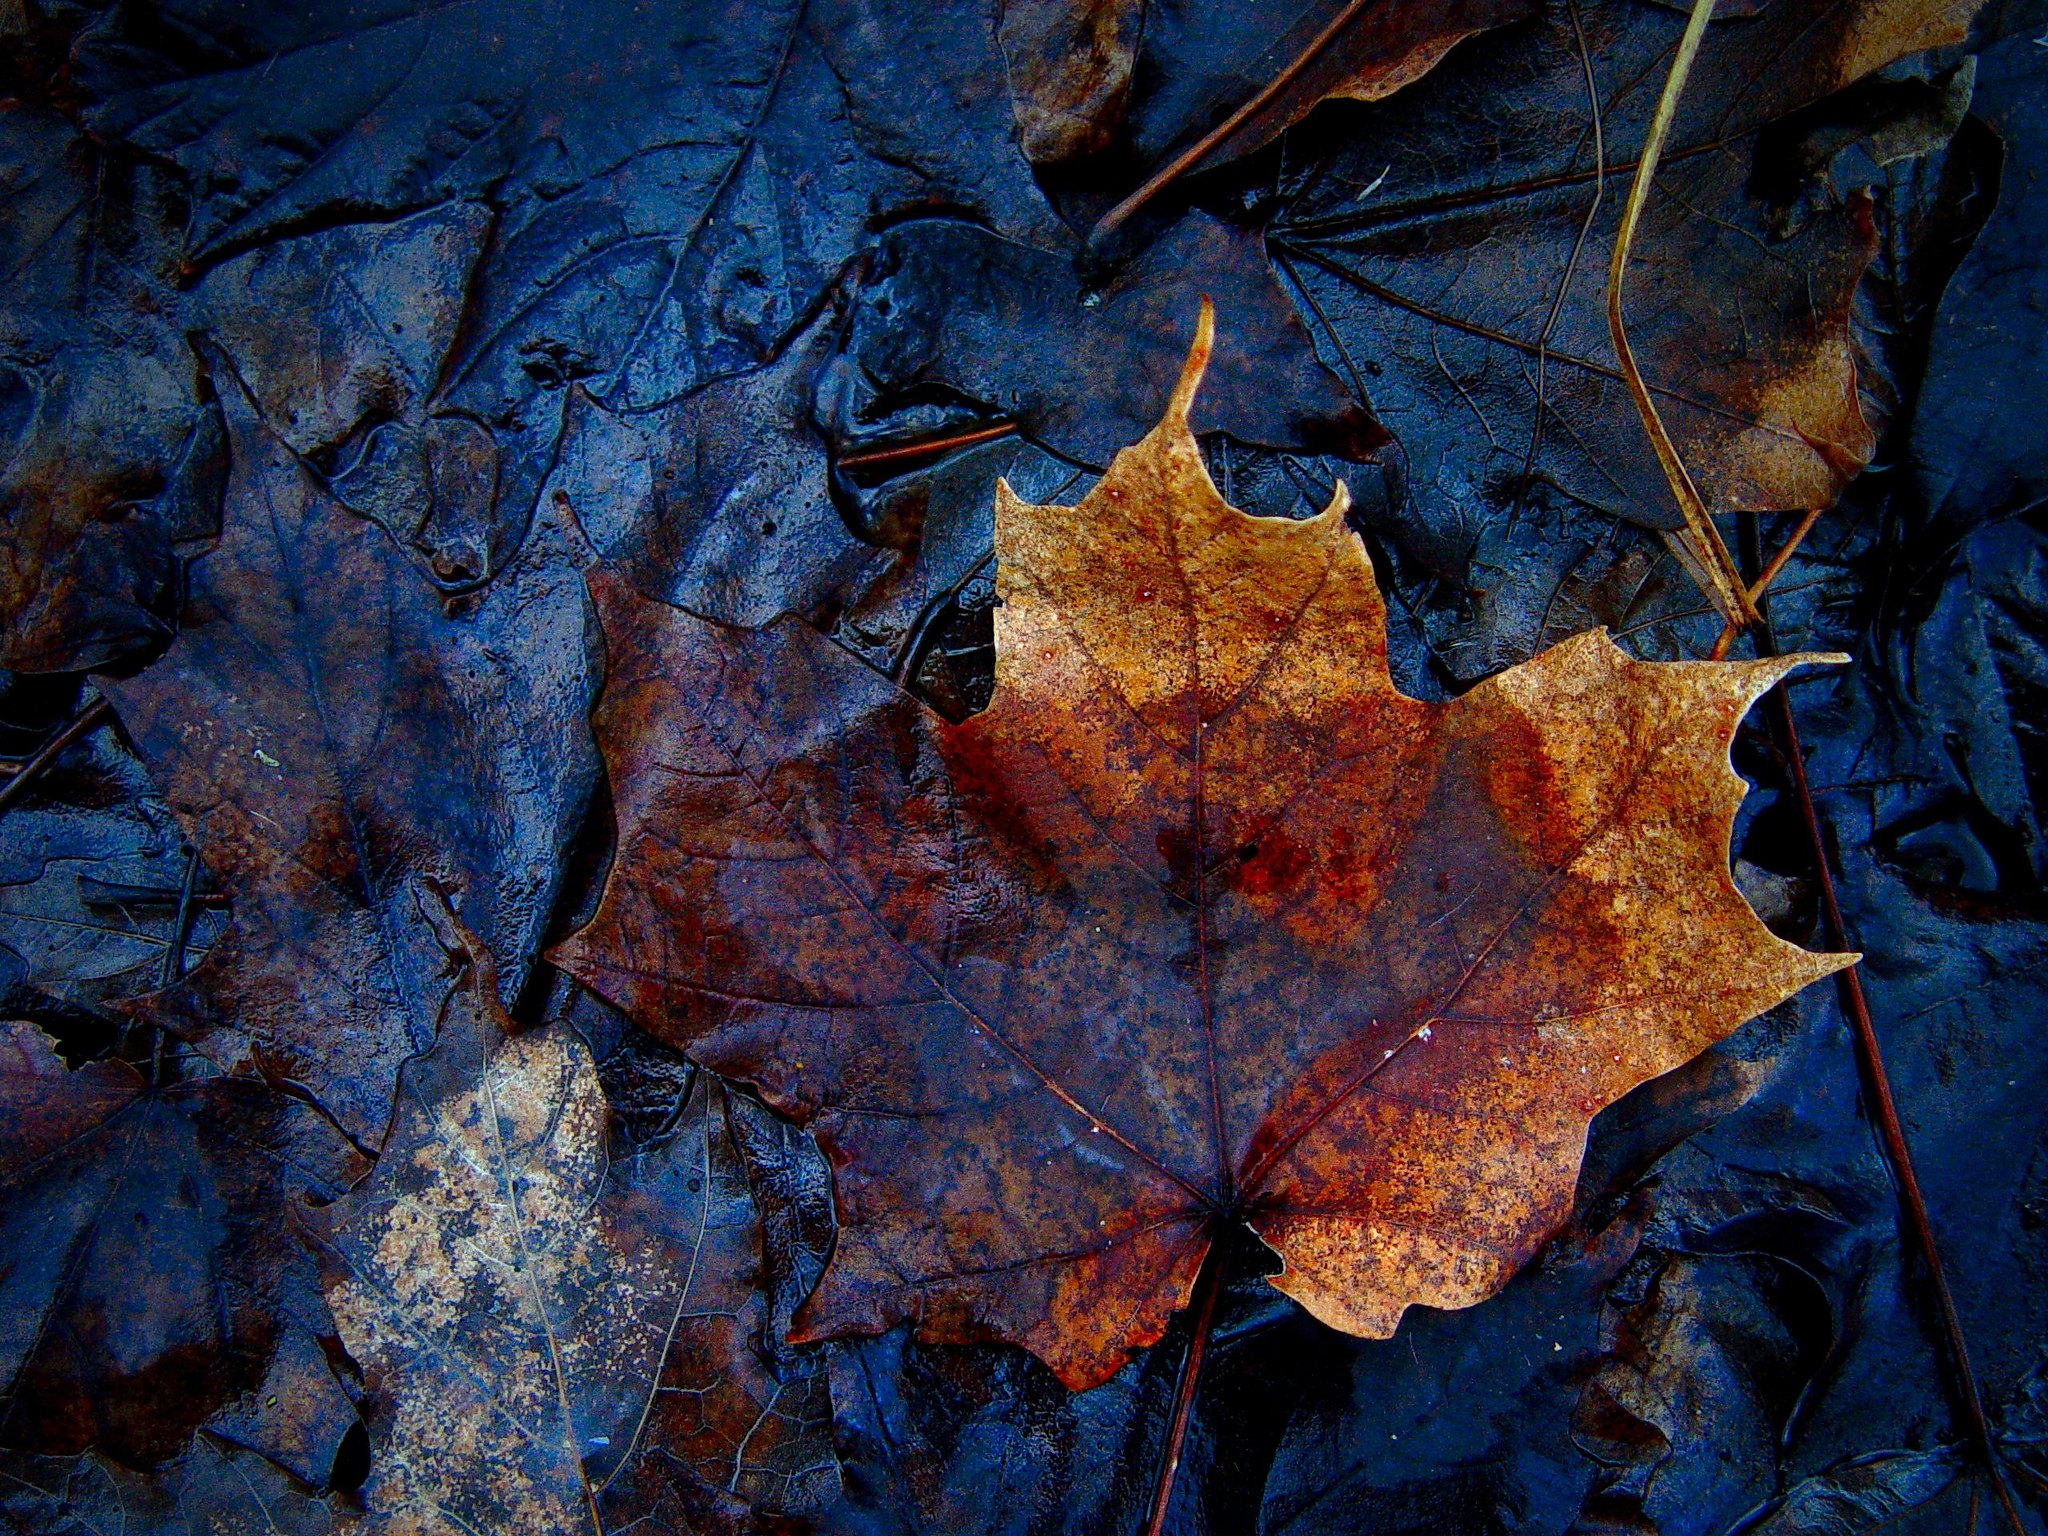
<point x="342" y="343"/>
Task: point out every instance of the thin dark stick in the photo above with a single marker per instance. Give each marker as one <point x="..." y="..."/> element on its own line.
<point x="2026" y="1472"/>
<point x="1870" y="1062"/>
<point x="1207" y="1285"/>
<point x="181" y="927"/>
<point x="1885" y="1111"/>
<point x="49" y="751"/>
<point x="174" y="958"/>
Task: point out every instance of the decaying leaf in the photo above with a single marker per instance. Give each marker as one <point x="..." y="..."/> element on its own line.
<point x="551" y="1340"/>
<point x="150" y="1282"/>
<point x="91" y="875"/>
<point x="1090" y="76"/>
<point x="1695" y="1386"/>
<point x="214" y="1489"/>
<point x="1199" y="923"/>
<point x="1455" y="247"/>
<point x="949" y="313"/>
<point x="337" y="338"/>
<point x="1868" y="1493"/>
<point x="106" y="452"/>
<point x="1981" y="359"/>
<point x="720" y="503"/>
<point x="339" y="743"/>
<point x="667" y="191"/>
<point x="1069" y="63"/>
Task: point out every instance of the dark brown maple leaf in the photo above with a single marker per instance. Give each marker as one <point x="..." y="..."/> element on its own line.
<point x="1201" y="922"/>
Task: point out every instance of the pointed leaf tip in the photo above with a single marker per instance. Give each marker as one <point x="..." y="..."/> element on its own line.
<point x="1197" y="364"/>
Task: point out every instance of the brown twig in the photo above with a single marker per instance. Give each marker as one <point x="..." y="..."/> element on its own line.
<point x="1207" y="1284"/>
<point x="1762" y="584"/>
<point x="2040" y="1483"/>
<point x="929" y="447"/>
<point x="1870" y="1058"/>
<point x="1885" y="1111"/>
<point x="1180" y="164"/>
<point x="50" y="750"/>
<point x="1745" y="607"/>
<point x="1724" y="586"/>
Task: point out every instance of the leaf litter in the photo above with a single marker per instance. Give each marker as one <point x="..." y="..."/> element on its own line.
<point x="392" y="351"/>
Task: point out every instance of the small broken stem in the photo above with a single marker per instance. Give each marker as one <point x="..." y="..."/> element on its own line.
<point x="2026" y="1472"/>
<point x="1207" y="1285"/>
<point x="174" y="957"/>
<point x="1724" y="586"/>
<point x="1193" y="155"/>
<point x="50" y="750"/>
<point x="1762" y="584"/>
<point x="1884" y="1108"/>
<point x="181" y="926"/>
<point x="926" y="448"/>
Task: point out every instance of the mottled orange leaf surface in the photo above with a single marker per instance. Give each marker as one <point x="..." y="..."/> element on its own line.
<point x="1200" y="923"/>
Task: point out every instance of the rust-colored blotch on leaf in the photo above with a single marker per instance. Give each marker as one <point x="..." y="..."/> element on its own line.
<point x="1201" y="922"/>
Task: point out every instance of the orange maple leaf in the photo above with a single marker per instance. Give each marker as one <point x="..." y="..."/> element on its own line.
<point x="1200" y="923"/>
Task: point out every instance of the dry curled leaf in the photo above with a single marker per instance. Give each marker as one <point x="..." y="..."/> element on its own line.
<point x="1200" y="923"/>
<point x="552" y="1340"/>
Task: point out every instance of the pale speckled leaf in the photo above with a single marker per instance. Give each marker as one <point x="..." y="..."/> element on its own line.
<point x="535" y="1322"/>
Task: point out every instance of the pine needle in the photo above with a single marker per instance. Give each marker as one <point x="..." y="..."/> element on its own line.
<point x="1710" y="554"/>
